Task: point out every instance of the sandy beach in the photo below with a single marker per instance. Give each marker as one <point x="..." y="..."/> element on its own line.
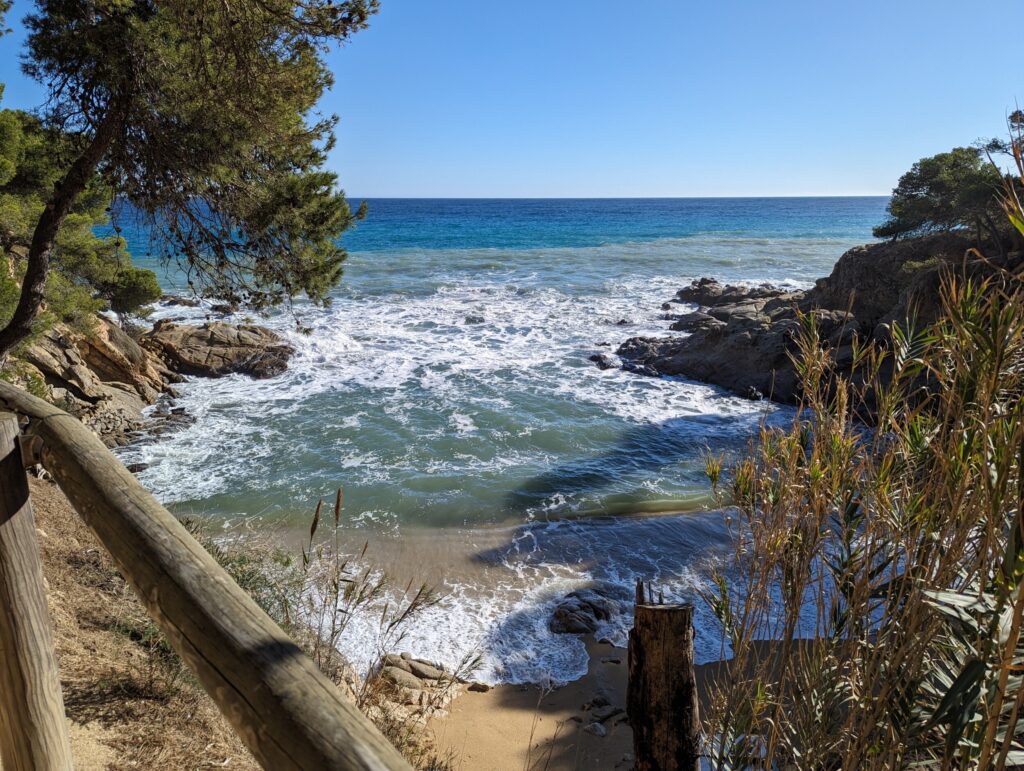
<point x="526" y="728"/>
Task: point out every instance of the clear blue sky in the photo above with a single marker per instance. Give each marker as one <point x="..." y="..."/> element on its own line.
<point x="657" y="97"/>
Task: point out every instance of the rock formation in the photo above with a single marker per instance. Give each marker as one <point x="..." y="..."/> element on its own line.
<point x="581" y="610"/>
<point x="217" y="348"/>
<point x="106" y="378"/>
<point x="742" y="338"/>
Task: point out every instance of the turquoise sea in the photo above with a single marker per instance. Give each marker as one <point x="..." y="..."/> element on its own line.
<point x="448" y="389"/>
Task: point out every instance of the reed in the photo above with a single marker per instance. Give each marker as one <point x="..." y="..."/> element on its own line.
<point x="874" y="606"/>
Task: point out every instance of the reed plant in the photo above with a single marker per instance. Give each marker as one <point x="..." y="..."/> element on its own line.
<point x="317" y="594"/>
<point x="873" y="607"/>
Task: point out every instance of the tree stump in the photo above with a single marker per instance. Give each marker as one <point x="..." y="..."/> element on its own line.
<point x="662" y="694"/>
<point x="33" y="731"/>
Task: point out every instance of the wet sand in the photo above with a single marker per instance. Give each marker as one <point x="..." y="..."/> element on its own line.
<point x="524" y="728"/>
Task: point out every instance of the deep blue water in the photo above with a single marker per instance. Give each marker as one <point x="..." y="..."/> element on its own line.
<point x="412" y="223"/>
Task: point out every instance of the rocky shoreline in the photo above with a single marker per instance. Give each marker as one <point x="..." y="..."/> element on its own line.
<point x="109" y="377"/>
<point x="741" y="337"/>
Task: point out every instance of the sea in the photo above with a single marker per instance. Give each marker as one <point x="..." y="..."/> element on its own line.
<point x="448" y="389"/>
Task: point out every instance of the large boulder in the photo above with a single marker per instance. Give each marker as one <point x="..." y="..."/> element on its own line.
<point x="113" y="356"/>
<point x="217" y="348"/>
<point x="581" y="610"/>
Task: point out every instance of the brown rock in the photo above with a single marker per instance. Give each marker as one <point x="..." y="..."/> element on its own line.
<point x="424" y="670"/>
<point x="401" y="678"/>
<point x="115" y="357"/>
<point x="217" y="348"/>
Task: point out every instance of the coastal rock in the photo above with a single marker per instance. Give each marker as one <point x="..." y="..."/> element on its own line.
<point x="709" y="293"/>
<point x="581" y="610"/>
<point x="742" y="338"/>
<point x="604" y="361"/>
<point x="114" y="356"/>
<point x="216" y="349"/>
<point x="425" y="671"/>
<point x="112" y="409"/>
<point x="401" y="678"/>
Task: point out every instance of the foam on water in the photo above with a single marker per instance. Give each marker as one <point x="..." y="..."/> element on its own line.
<point x="450" y="392"/>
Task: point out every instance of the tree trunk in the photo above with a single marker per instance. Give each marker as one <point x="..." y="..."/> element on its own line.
<point x="65" y="192"/>
<point x="662" y="692"/>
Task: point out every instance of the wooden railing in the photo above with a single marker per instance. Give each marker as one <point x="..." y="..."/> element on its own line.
<point x="284" y="709"/>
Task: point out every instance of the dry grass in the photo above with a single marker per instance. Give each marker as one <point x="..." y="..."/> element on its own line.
<point x="126" y="689"/>
<point x="119" y="679"/>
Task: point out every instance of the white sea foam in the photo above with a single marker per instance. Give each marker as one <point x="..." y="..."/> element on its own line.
<point x="460" y="389"/>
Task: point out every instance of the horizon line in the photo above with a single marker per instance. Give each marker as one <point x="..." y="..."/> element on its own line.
<point x="609" y="197"/>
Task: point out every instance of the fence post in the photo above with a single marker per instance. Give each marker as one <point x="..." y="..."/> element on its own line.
<point x="661" y="698"/>
<point x="33" y="731"/>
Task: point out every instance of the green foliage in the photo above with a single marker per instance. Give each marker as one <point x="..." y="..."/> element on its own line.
<point x="949" y="191"/>
<point x="90" y="273"/>
<point x="210" y="110"/>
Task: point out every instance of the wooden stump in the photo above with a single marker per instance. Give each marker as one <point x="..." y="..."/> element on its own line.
<point x="662" y="695"/>
<point x="33" y="732"/>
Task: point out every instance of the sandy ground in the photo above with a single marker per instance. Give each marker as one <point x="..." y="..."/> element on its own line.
<point x="522" y="728"/>
<point x="513" y="727"/>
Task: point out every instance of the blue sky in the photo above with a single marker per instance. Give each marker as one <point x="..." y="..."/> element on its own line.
<point x="656" y="97"/>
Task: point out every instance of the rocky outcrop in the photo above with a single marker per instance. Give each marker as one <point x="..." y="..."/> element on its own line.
<point x="742" y="338"/>
<point x="105" y="379"/>
<point x="216" y="349"/>
<point x="416" y="688"/>
<point x="582" y="610"/>
<point x="114" y="356"/>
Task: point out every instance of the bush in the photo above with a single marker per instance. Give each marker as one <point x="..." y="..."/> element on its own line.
<point x="875" y="605"/>
<point x="949" y="191"/>
<point x="131" y="290"/>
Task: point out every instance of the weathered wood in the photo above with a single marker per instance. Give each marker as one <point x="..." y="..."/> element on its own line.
<point x="286" y="711"/>
<point x="33" y="731"/>
<point x="661" y="698"/>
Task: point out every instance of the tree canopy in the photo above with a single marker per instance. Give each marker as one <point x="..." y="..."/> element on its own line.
<point x="949" y="191"/>
<point x="202" y="116"/>
<point x="89" y="272"/>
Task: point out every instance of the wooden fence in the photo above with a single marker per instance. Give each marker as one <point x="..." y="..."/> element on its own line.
<point x="285" y="710"/>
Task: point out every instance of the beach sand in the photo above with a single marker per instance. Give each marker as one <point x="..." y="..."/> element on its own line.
<point x="517" y="727"/>
<point x="524" y="728"/>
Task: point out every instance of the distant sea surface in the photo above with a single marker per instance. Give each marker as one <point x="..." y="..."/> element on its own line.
<point x="447" y="388"/>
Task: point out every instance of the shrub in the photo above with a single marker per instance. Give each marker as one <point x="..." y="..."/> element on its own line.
<point x="874" y="608"/>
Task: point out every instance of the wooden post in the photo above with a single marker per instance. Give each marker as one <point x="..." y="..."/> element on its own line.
<point x="33" y="731"/>
<point x="662" y="695"/>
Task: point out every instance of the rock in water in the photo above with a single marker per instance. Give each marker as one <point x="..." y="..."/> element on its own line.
<point x="742" y="338"/>
<point x="582" y="609"/>
<point x="216" y="349"/>
<point x="604" y="361"/>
